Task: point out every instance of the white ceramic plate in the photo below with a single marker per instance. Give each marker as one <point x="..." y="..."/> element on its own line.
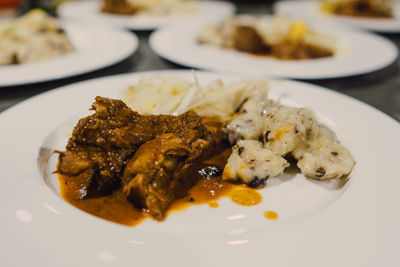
<point x="356" y="53"/>
<point x="318" y="226"/>
<point x="90" y="12"/>
<point x="94" y="49"/>
<point x="312" y="9"/>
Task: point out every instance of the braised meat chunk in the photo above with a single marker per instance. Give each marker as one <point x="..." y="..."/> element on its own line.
<point x="281" y="38"/>
<point x="102" y="142"/>
<point x="153" y="176"/>
<point x="146" y="154"/>
<point x="300" y="51"/>
<point x="121" y="7"/>
<point x="363" y="8"/>
<point x="157" y="173"/>
<point x="247" y="39"/>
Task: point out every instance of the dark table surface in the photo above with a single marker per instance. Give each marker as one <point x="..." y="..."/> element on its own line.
<point x="380" y="89"/>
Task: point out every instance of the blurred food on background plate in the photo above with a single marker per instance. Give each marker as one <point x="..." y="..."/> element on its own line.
<point x="33" y="37"/>
<point x="359" y="8"/>
<point x="209" y="137"/>
<point x="150" y="7"/>
<point x="278" y="37"/>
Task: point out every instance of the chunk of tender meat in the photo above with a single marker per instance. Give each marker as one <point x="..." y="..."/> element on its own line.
<point x="247" y="39"/>
<point x="116" y="126"/>
<point x="324" y="157"/>
<point x="300" y="51"/>
<point x="157" y="173"/>
<point x="152" y="177"/>
<point x="105" y="140"/>
<point x="101" y="168"/>
<point x="74" y="162"/>
<point x="252" y="164"/>
<point x="113" y="125"/>
<point x="364" y="8"/>
<point x="122" y="7"/>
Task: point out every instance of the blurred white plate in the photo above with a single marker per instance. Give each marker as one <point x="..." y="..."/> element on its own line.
<point x="89" y="11"/>
<point x="357" y="225"/>
<point x="312" y="9"/>
<point x="94" y="49"/>
<point x="356" y="53"/>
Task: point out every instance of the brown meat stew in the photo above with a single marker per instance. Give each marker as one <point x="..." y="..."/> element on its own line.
<point x="118" y="208"/>
<point x="363" y="8"/>
<point x="123" y="166"/>
<point x="120" y="7"/>
<point x="247" y="39"/>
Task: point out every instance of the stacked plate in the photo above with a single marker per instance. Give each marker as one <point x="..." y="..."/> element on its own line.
<point x="312" y="9"/>
<point x="353" y="56"/>
<point x="99" y="40"/>
<point x="94" y="49"/>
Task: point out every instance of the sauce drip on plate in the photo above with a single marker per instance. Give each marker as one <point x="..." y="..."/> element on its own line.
<point x="271" y="215"/>
<point x="115" y="207"/>
<point x="245" y="196"/>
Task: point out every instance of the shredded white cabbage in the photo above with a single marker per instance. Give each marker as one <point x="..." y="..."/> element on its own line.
<point x="264" y="130"/>
<point x="156" y="94"/>
<point x="176" y="96"/>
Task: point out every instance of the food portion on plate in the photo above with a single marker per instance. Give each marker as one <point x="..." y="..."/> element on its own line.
<point x="143" y="14"/>
<point x="123" y="166"/>
<point x="149" y="7"/>
<point x="33" y="37"/>
<point x="146" y="156"/>
<point x="277" y="37"/>
<point x="358" y="8"/>
<point x="265" y="133"/>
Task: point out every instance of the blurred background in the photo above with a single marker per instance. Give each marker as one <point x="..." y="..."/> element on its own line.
<point x="10" y="7"/>
<point x="379" y="89"/>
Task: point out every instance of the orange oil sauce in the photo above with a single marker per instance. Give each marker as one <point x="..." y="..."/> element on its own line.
<point x="117" y="208"/>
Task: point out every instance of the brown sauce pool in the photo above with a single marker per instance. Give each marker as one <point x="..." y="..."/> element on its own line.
<point x="117" y="208"/>
<point x="294" y="52"/>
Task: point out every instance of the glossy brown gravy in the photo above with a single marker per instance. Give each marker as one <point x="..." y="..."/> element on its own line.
<point x="117" y="208"/>
<point x="294" y="52"/>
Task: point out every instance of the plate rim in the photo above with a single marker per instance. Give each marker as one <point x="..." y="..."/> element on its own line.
<point x="134" y="45"/>
<point x="126" y="230"/>
<point x="336" y="19"/>
<point x="130" y="26"/>
<point x="160" y="51"/>
<point x="168" y="71"/>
